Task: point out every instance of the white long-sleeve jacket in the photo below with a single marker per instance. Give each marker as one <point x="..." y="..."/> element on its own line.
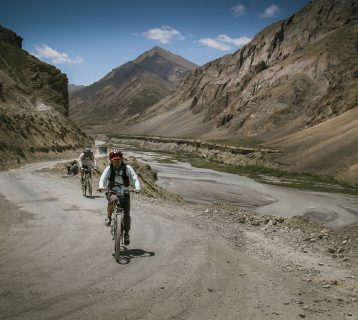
<point x="103" y="181"/>
<point x="87" y="161"/>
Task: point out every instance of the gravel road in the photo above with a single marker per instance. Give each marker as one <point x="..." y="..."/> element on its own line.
<point x="184" y="261"/>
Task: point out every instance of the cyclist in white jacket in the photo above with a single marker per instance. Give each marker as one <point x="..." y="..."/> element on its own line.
<point x="116" y="176"/>
<point x="87" y="160"/>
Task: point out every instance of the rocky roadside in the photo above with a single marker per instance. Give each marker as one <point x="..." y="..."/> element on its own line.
<point x="322" y="260"/>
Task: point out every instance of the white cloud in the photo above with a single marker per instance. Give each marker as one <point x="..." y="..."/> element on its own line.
<point x="223" y="42"/>
<point x="212" y="43"/>
<point x="239" y="10"/>
<point x="46" y="52"/>
<point x="270" y="11"/>
<point x="164" y="34"/>
<point x="235" y="41"/>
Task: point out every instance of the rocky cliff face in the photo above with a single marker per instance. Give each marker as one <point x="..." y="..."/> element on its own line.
<point x="294" y="74"/>
<point x="28" y="83"/>
<point x="128" y="89"/>
<point x="33" y="105"/>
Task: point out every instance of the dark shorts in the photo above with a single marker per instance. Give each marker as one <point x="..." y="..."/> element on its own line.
<point x="125" y="201"/>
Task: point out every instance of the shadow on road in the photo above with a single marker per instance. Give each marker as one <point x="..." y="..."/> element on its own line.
<point x="128" y="254"/>
<point x="94" y="197"/>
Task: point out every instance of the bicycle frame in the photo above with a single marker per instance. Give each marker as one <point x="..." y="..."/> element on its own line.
<point x="87" y="182"/>
<point x="117" y="225"/>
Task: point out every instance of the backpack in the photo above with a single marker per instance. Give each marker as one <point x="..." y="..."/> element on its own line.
<point x="123" y="169"/>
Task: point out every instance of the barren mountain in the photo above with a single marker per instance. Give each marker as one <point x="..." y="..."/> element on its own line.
<point x="129" y="89"/>
<point x="33" y="106"/>
<point x="295" y="74"/>
<point x="74" y="87"/>
<point x="329" y="147"/>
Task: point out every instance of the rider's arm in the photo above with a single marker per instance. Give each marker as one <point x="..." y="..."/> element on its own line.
<point x="133" y="177"/>
<point x="94" y="160"/>
<point x="104" y="178"/>
<point x="80" y="160"/>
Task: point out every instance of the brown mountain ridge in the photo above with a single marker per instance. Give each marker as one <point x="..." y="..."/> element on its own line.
<point x="129" y="89"/>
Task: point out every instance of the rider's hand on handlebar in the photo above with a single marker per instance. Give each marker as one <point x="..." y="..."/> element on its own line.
<point x="134" y="190"/>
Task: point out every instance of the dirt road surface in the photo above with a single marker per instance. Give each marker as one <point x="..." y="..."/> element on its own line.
<point x="56" y="262"/>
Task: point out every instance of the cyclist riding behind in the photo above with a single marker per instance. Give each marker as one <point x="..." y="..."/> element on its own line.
<point x="87" y="160"/>
<point x="117" y="176"/>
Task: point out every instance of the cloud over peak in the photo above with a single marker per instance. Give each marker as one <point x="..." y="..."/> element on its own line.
<point x="164" y="34"/>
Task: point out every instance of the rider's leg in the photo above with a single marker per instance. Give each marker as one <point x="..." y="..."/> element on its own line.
<point x="127" y="217"/>
<point x="110" y="207"/>
<point x="109" y="210"/>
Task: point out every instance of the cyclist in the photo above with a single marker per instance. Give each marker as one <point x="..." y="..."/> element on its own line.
<point x="72" y="168"/>
<point x="116" y="176"/>
<point x="86" y="160"/>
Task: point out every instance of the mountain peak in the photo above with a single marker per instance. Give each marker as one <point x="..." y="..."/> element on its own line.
<point x="173" y="58"/>
<point x="10" y="37"/>
<point x="155" y="50"/>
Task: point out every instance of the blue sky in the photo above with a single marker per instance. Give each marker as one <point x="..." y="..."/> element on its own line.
<point x="86" y="39"/>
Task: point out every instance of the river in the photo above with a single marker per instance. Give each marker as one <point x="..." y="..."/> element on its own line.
<point x="197" y="185"/>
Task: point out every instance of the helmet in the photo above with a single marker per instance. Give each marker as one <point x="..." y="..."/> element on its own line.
<point x="115" y="154"/>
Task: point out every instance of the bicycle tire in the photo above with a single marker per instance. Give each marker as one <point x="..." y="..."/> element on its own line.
<point x="113" y="229"/>
<point x="84" y="188"/>
<point x="117" y="239"/>
<point x="90" y="187"/>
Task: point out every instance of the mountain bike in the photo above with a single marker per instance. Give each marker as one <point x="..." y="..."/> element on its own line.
<point x="87" y="182"/>
<point x="117" y="227"/>
<point x="117" y="223"/>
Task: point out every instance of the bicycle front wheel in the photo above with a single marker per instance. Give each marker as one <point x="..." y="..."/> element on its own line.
<point x="89" y="187"/>
<point x="117" y="239"/>
<point x="84" y="188"/>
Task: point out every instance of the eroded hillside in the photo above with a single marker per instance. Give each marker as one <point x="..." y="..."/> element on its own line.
<point x="33" y="106"/>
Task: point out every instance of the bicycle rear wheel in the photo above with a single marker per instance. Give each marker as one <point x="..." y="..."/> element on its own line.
<point x="89" y="187"/>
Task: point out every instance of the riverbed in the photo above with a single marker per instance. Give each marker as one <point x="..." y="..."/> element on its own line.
<point x="198" y="185"/>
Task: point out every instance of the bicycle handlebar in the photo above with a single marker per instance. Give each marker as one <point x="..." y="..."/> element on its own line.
<point x="114" y="191"/>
